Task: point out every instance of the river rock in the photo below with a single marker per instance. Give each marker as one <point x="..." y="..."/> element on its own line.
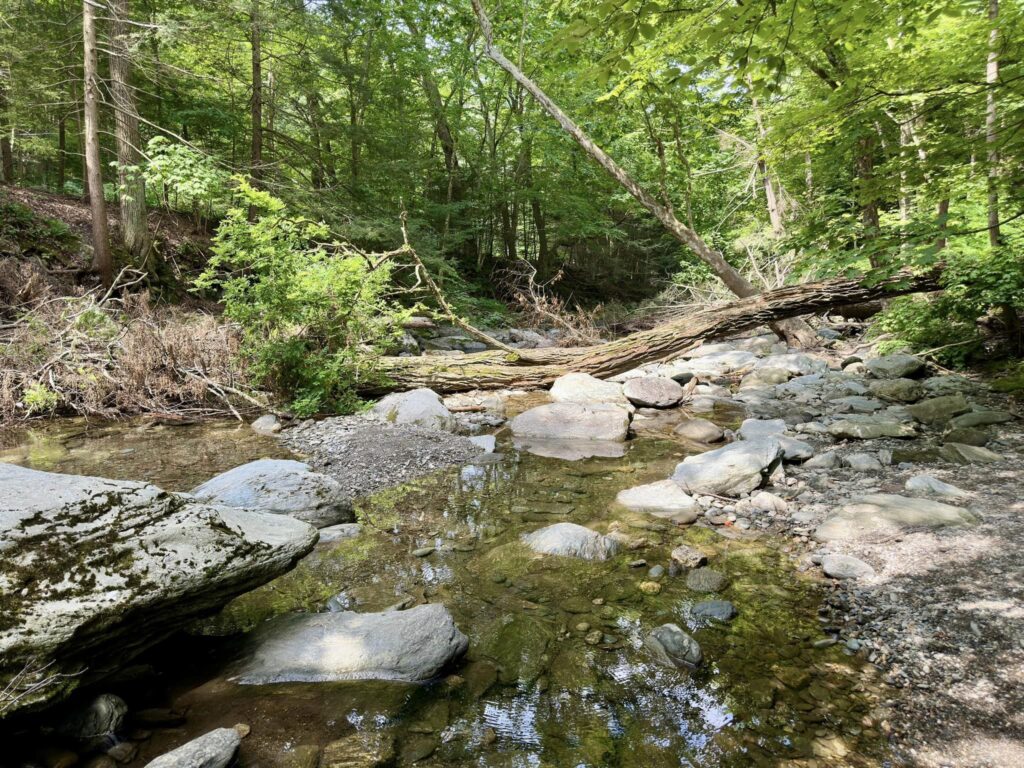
<point x="672" y="647"/>
<point x="570" y="450"/>
<point x="897" y="366"/>
<point x="95" y="725"/>
<point x="862" y="462"/>
<point x="764" y="377"/>
<point x="713" y="365"/>
<point x="687" y="557"/>
<point x="846" y="567"/>
<point x="825" y="460"/>
<point x="268" y="424"/>
<point x="883" y="513"/>
<point x="706" y="580"/>
<point x="932" y="485"/>
<point x="936" y="410"/>
<point x="700" y="430"/>
<point x="486" y="443"/>
<point x="762" y="501"/>
<point x="335" y="533"/>
<point x="897" y="390"/>
<point x="968" y="436"/>
<point x="714" y="610"/>
<point x="571" y="540"/>
<point x="410" y="645"/>
<point x="421" y="407"/>
<point x="795" y="363"/>
<point x="730" y="471"/>
<point x="280" y="487"/>
<point x="858" y="404"/>
<point x="573" y="421"/>
<point x="584" y="388"/>
<point x="215" y="749"/>
<point x="980" y="419"/>
<point x="362" y="749"/>
<point x="958" y="453"/>
<point x="792" y="449"/>
<point x="848" y="429"/>
<point x="653" y="392"/>
<point x="95" y="571"/>
<point x="663" y="499"/>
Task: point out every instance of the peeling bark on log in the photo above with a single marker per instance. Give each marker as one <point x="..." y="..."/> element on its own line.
<point x="535" y="368"/>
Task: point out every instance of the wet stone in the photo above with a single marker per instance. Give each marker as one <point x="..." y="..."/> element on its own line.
<point x="715" y="610"/>
<point x="706" y="580"/>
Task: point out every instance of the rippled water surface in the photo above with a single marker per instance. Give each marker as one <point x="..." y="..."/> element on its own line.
<point x="539" y="687"/>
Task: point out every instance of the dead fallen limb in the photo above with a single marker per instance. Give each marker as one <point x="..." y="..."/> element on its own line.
<point x="498" y="370"/>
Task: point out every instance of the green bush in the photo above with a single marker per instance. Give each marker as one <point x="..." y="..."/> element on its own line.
<point x="314" y="315"/>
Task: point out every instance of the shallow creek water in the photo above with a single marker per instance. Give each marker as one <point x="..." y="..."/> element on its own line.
<point x="539" y="686"/>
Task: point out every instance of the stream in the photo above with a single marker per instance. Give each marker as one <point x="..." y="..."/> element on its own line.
<point x="556" y="673"/>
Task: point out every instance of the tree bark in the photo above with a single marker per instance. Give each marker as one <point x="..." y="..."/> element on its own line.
<point x="991" y="127"/>
<point x="772" y="201"/>
<point x="256" y="103"/>
<point x="132" y="186"/>
<point x="540" y="367"/>
<point x="102" y="261"/>
<point x="6" y="153"/>
<point x="796" y="332"/>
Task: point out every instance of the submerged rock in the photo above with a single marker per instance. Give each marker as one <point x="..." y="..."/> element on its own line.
<point x="730" y="471"/>
<point x="280" y="487"/>
<point x="672" y="647"/>
<point x="653" y="392"/>
<point x="420" y="407"/>
<point x="570" y="450"/>
<point x="571" y="540"/>
<point x="889" y="513"/>
<point x="573" y="421"/>
<point x="715" y="610"/>
<point x="662" y="499"/>
<point x="706" y="580"/>
<point x="700" y="430"/>
<point x="215" y="749"/>
<point x="95" y="571"/>
<point x="409" y="645"/>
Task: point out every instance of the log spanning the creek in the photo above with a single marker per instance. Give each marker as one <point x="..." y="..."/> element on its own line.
<point x="535" y="368"/>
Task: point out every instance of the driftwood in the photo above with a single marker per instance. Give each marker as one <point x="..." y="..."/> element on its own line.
<point x="535" y="368"/>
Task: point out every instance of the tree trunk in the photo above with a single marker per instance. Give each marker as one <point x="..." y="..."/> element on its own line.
<point x="540" y="367"/>
<point x="6" y="153"/>
<point x="102" y="262"/>
<point x="991" y="128"/>
<point x="796" y="332"/>
<point x="942" y="214"/>
<point x="132" y="186"/>
<point x="62" y="153"/>
<point x="256" y="104"/>
<point x="869" y="204"/>
<point x="772" y="201"/>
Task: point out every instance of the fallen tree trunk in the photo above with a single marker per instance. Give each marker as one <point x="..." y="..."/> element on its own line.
<point x="536" y="368"/>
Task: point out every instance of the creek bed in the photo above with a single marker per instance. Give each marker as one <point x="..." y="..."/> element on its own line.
<point x="555" y="675"/>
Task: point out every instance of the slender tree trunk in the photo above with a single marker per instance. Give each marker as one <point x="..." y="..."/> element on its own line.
<point x="132" y="186"/>
<point x="942" y="213"/>
<point x="797" y="332"/>
<point x="256" y="103"/>
<point x="6" y="128"/>
<point x="317" y="174"/>
<point x="62" y="152"/>
<point x="775" y="215"/>
<point x="991" y="127"/>
<point x="869" y="203"/>
<point x="102" y="261"/>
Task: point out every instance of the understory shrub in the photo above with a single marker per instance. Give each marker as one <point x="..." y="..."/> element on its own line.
<point x="314" y="312"/>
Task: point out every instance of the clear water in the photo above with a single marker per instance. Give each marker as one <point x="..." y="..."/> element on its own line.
<point x="533" y="690"/>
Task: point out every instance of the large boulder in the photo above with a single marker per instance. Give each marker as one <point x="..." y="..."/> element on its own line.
<point x="936" y="410"/>
<point x="571" y="540"/>
<point x="897" y="366"/>
<point x="886" y="514"/>
<point x="663" y="499"/>
<point x="421" y="407"/>
<point x="730" y="471"/>
<point x="573" y="421"/>
<point x="280" y="487"/>
<point x="94" y="571"/>
<point x="584" y="388"/>
<point x="409" y="645"/>
<point x="653" y="392"/>
<point x="215" y="749"/>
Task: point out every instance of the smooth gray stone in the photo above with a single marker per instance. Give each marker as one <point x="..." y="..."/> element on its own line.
<point x="936" y="410"/>
<point x="663" y="499"/>
<point x="700" y="430"/>
<point x="267" y="425"/>
<point x="410" y="645"/>
<point x="715" y="610"/>
<point x="847" y="429"/>
<point x="884" y="513"/>
<point x="653" y="392"/>
<point x="980" y="419"/>
<point x="570" y="450"/>
<point x="573" y="421"/>
<point x="862" y="462"/>
<point x="730" y="471"/>
<point x="929" y="484"/>
<point x="706" y="580"/>
<point x="897" y="390"/>
<point x="672" y="647"/>
<point x="485" y="442"/>
<point x="571" y="540"/>
<point x="587" y="389"/>
<point x="895" y="366"/>
<point x="846" y="567"/>
<point x="421" y="407"/>
<point x="280" y="487"/>
<point x="215" y="749"/>
<point x="958" y="453"/>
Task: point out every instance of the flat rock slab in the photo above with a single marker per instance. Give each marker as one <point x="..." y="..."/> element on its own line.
<point x="573" y="421"/>
<point x="419" y="407"/>
<point x="934" y="486"/>
<point x="663" y="499"/>
<point x="884" y="513"/>
<point x="846" y="567"/>
<point x="864" y="430"/>
<point x="215" y="749"/>
<point x="280" y="487"/>
<point x="584" y="388"/>
<point x="411" y="645"/>
<point x="980" y="419"/>
<point x="937" y="410"/>
<point x="95" y="571"/>
<point x="571" y="540"/>
<point x="958" y="453"/>
<point x="706" y="580"/>
<point x="653" y="392"/>
<point x="730" y="471"/>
